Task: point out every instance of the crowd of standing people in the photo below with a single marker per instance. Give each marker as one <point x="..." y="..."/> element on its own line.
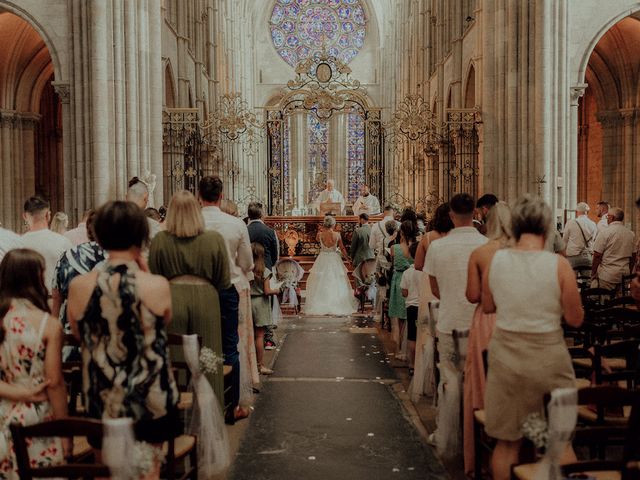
<point x="121" y="282"/>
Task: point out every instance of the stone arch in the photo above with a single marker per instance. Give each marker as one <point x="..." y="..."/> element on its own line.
<point x="608" y="115"/>
<point x="627" y="11"/>
<point x="470" y="87"/>
<point x="30" y="116"/>
<point x="17" y="10"/>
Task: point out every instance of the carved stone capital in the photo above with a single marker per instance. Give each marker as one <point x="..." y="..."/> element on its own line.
<point x="63" y="90"/>
<point x="576" y="92"/>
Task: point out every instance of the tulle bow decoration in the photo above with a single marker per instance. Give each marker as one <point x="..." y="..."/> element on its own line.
<point x="290" y="273"/>
<point x="207" y="422"/>
<point x="562" y="417"/>
<point x="117" y="444"/>
<point x="429" y="350"/>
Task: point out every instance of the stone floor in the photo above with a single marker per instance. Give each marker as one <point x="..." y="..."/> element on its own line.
<point x="333" y="409"/>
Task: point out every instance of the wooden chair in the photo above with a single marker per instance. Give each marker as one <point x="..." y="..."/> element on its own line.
<point x="67" y="427"/>
<point x="598" y="437"/>
<point x="596" y="298"/>
<point x="72" y="372"/>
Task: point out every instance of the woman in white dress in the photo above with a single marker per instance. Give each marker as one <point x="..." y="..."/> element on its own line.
<point x="329" y="291"/>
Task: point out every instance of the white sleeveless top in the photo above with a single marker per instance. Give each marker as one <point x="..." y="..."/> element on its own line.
<point x="526" y="291"/>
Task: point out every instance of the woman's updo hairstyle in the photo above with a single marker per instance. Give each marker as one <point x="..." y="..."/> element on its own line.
<point x="329" y="222"/>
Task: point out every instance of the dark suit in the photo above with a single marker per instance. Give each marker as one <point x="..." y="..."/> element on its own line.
<point x="360" y="249"/>
<point x="260" y="233"/>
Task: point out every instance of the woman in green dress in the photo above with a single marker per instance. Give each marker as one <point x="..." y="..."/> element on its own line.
<point x="401" y="261"/>
<point x="197" y="266"/>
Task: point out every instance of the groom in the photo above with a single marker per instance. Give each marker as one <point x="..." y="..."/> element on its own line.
<point x="360" y="249"/>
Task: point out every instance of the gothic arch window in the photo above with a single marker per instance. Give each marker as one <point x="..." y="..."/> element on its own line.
<point x="301" y="28"/>
<point x="470" y="90"/>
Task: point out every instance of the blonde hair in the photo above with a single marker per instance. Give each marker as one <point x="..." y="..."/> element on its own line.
<point x="229" y="207"/>
<point x="59" y="223"/>
<point x="257" y="249"/>
<point x="184" y="216"/>
<point x="499" y="222"/>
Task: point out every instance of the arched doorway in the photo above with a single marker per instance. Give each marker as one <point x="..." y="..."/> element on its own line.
<point x="609" y="119"/>
<point x="30" y="121"/>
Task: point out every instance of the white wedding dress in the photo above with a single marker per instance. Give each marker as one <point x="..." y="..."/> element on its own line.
<point x="329" y="291"/>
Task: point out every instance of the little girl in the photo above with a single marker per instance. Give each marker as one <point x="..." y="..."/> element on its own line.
<point x="260" y="302"/>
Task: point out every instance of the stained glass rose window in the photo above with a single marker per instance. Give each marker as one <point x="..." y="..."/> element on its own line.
<point x="300" y="28"/>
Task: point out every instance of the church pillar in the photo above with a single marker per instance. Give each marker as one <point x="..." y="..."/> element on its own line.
<point x="612" y="168"/>
<point x="577" y="91"/>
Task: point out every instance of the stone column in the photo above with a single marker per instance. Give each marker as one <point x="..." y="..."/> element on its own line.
<point x="577" y="91"/>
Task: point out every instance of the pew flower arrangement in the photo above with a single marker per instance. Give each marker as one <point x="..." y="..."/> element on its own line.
<point x="209" y="361"/>
<point x="536" y="429"/>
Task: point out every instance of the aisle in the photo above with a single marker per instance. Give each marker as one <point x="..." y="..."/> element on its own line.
<point x="329" y="412"/>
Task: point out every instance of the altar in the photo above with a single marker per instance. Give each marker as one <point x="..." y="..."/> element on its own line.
<point x="297" y="235"/>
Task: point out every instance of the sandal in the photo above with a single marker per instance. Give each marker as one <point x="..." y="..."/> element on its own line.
<point x="240" y="413"/>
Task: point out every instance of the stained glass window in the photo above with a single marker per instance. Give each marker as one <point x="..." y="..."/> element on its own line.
<point x="300" y="28"/>
<point x="318" y="151"/>
<point x="355" y="155"/>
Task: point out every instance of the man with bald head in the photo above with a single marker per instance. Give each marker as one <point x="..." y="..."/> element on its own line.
<point x="613" y="252"/>
<point x="330" y="194"/>
<point x="578" y="237"/>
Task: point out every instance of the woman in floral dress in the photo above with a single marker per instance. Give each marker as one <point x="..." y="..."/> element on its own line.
<point x="30" y="360"/>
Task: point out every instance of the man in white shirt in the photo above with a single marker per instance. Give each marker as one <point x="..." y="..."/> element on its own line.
<point x="330" y="194"/>
<point x="612" y="252"/>
<point x="79" y="235"/>
<point x="138" y="193"/>
<point x="235" y="302"/>
<point x="8" y="241"/>
<point x="579" y="234"/>
<point x="446" y="264"/>
<point x="366" y="203"/>
<point x="50" y="245"/>
<point x="602" y="209"/>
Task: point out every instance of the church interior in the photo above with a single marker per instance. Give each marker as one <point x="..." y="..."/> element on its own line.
<point x="321" y="119"/>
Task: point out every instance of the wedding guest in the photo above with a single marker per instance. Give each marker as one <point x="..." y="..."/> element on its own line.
<point x="360" y="249"/>
<point x="261" y="292"/>
<point x="482" y="325"/>
<point x="483" y="205"/>
<point x="229" y="207"/>
<point x="49" y="244"/>
<point x="578" y="237"/>
<point x="153" y="214"/>
<point x="235" y="301"/>
<point x="410" y="284"/>
<point x="377" y="242"/>
<point x="531" y="291"/>
<point x="8" y="241"/>
<point x="602" y="209"/>
<point x="59" y="223"/>
<point x="441" y="224"/>
<point x="447" y="263"/>
<point x="30" y="356"/>
<point x="612" y="252"/>
<point x="79" y="235"/>
<point x="379" y="232"/>
<point x="366" y="203"/>
<point x="197" y="266"/>
<point x="138" y="193"/>
<point x="261" y="233"/>
<point x="120" y="313"/>
<point x="76" y="261"/>
<point x="401" y="261"/>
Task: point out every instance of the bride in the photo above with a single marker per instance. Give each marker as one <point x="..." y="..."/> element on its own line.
<point x="329" y="291"/>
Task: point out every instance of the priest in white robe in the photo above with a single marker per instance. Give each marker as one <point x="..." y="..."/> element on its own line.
<point x="330" y="194"/>
<point x="366" y="203"/>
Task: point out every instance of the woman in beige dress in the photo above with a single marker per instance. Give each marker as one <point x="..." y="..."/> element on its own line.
<point x="531" y="290"/>
<point x="482" y="325"/>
